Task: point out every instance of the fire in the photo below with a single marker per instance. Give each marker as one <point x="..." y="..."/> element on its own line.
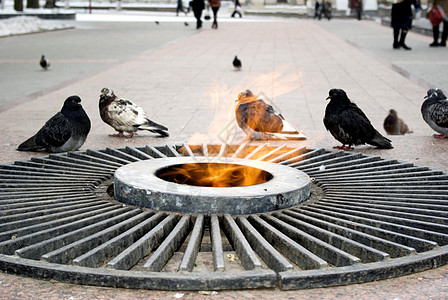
<point x="214" y="174"/>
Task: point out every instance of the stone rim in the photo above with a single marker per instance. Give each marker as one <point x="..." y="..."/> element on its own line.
<point x="138" y="184"/>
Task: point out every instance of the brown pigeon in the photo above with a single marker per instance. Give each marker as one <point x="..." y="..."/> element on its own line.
<point x="260" y="121"/>
<point x="393" y="125"/>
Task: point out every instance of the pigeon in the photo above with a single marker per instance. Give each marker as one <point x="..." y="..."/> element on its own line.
<point x="256" y="118"/>
<point x="435" y="112"/>
<point x="237" y="63"/>
<point x="45" y="64"/>
<point x="349" y="125"/>
<point x="65" y="131"/>
<point x="393" y="125"/>
<point x="125" y="116"/>
<point x="186" y="24"/>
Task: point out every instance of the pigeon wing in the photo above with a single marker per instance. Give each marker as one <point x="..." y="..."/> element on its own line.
<point x="124" y="113"/>
<point x="439" y="113"/>
<point x="356" y="125"/>
<point x="55" y="132"/>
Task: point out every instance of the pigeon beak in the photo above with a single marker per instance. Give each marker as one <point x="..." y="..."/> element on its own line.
<point x="329" y="97"/>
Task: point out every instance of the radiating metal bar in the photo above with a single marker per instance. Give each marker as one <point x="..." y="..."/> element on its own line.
<point x="165" y="251"/>
<point x="296" y="253"/>
<point x="122" y="154"/>
<point x="22" y="237"/>
<point x="364" y="252"/>
<point x="108" y="250"/>
<point x="187" y="263"/>
<point x="141" y="248"/>
<point x="264" y="249"/>
<point x="329" y="253"/>
<point x="68" y="252"/>
<point x="352" y="231"/>
<point x="247" y="256"/>
<point x="153" y="150"/>
<point x="215" y="235"/>
<point x="420" y="244"/>
<point x="138" y="153"/>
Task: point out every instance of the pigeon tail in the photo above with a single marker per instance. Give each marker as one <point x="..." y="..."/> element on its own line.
<point x="30" y="145"/>
<point x="381" y="142"/>
<point x="161" y="132"/>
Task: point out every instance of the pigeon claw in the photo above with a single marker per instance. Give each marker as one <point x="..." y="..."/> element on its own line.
<point x="440" y="136"/>
<point x="344" y="147"/>
<point x="120" y="134"/>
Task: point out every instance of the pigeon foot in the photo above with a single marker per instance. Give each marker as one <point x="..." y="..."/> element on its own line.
<point x="344" y="147"/>
<point x="440" y="136"/>
<point x="120" y="134"/>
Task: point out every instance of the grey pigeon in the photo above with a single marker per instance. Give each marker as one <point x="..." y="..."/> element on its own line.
<point x="237" y="63"/>
<point x="349" y="125"/>
<point x="44" y="63"/>
<point x="435" y="112"/>
<point x="65" y="131"/>
<point x="125" y="116"/>
<point x="393" y="125"/>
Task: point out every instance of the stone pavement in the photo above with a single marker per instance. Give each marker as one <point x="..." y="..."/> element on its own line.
<point x="189" y="85"/>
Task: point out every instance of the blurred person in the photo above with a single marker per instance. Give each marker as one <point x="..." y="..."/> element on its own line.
<point x="316" y="10"/>
<point x="435" y="29"/>
<point x="215" y="5"/>
<point x="401" y="21"/>
<point x="237" y="9"/>
<point x="197" y="6"/>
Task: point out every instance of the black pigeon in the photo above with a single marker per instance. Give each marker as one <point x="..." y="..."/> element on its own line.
<point x="186" y="24"/>
<point x="393" y="125"/>
<point x="65" y="131"/>
<point x="125" y="116"/>
<point x="237" y="63"/>
<point x="349" y="125"/>
<point x="45" y="64"/>
<point x="435" y="112"/>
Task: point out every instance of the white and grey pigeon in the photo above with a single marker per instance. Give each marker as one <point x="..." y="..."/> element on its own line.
<point x="125" y="116"/>
<point x="44" y="63"/>
<point x="65" y="131"/>
<point x="435" y="112"/>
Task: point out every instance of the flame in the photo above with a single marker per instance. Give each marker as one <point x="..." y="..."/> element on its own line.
<point x="214" y="175"/>
<point x="221" y="102"/>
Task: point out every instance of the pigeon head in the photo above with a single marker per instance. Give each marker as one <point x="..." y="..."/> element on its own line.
<point x="107" y="92"/>
<point x="436" y="92"/>
<point x="392" y="112"/>
<point x="71" y="103"/>
<point x="339" y="96"/>
<point x="245" y="97"/>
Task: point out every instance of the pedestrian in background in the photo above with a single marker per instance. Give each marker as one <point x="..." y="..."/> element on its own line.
<point x="356" y="5"/>
<point x="317" y="10"/>
<point x="215" y="5"/>
<point x="181" y="8"/>
<point x="435" y="29"/>
<point x="237" y="9"/>
<point x="197" y="6"/>
<point x="401" y="21"/>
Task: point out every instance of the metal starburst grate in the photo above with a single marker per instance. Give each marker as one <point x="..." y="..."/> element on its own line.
<point x="368" y="218"/>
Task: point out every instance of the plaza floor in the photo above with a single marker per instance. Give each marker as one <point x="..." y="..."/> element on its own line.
<point x="189" y="85"/>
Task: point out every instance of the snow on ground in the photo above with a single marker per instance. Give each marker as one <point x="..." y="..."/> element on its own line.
<point x="23" y="24"/>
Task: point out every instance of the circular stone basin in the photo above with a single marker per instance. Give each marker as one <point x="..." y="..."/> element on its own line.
<point x="160" y="185"/>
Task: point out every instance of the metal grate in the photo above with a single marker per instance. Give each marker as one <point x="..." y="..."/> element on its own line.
<point x="368" y="218"/>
